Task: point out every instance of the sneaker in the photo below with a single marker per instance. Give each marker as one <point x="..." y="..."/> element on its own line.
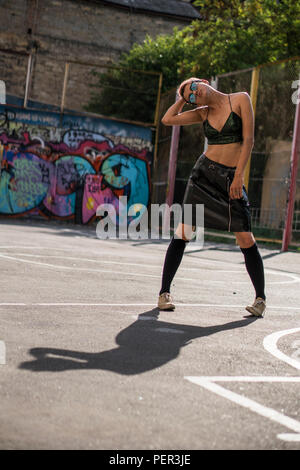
<point x="258" y="308"/>
<point x="165" y="302"/>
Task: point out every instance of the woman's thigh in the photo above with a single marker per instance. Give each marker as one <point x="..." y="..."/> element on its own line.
<point x="185" y="232"/>
<point x="245" y="239"/>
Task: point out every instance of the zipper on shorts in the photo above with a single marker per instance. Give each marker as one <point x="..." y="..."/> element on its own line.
<point x="229" y="204"/>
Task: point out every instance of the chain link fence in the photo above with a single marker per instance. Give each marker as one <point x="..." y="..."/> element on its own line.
<point x="274" y="133"/>
<point x="161" y="162"/>
<point x="33" y="79"/>
<point x="269" y="177"/>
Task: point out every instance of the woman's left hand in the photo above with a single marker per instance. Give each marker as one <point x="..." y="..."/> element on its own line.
<point x="236" y="188"/>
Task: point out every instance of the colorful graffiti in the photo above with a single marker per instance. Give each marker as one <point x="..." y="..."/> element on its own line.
<point x="65" y="167"/>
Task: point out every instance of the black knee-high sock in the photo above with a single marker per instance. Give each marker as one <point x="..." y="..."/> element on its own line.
<point x="255" y="268"/>
<point x="173" y="259"/>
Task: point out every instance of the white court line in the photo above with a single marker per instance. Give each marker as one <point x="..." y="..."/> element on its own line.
<point x="98" y="253"/>
<point x="196" y="260"/>
<point x="289" y="437"/>
<point x="290" y="423"/>
<point x="101" y="261"/>
<point x="27" y="246"/>
<point x="72" y="268"/>
<point x="210" y="262"/>
<point x="207" y="281"/>
<point x="153" y="304"/>
<point x="270" y="344"/>
<point x="251" y="378"/>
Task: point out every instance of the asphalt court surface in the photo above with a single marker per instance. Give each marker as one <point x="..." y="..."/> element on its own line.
<point x="88" y="362"/>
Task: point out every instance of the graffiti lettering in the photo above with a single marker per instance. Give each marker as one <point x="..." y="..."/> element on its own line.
<point x="135" y="143"/>
<point x="27" y="178"/>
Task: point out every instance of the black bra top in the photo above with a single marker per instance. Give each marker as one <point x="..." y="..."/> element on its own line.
<point x="231" y="132"/>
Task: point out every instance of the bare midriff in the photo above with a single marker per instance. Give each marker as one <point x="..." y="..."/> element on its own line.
<point x="227" y="154"/>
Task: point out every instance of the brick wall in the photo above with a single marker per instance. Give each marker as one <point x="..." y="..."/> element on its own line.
<point x="61" y="30"/>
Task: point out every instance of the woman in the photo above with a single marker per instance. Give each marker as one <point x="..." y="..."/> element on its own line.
<point x="217" y="179"/>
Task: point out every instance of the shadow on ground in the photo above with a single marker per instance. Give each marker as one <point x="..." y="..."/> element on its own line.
<point x="144" y="345"/>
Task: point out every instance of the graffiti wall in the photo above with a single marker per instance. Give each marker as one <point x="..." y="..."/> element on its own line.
<point x="65" y="166"/>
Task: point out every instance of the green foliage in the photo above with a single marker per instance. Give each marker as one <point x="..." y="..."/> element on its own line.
<point x="124" y="94"/>
<point x="240" y="34"/>
<point x="232" y="35"/>
<point x="130" y="93"/>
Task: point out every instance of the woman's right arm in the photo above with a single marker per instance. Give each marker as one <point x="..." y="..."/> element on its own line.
<point x="174" y="116"/>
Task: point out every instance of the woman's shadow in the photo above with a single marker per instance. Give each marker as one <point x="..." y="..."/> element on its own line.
<point x="144" y="345"/>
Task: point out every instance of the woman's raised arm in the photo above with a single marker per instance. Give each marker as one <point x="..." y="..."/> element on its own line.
<point x="174" y="116"/>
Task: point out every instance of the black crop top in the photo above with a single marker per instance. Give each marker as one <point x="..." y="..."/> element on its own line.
<point x="231" y="132"/>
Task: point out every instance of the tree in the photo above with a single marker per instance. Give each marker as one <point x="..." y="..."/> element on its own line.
<point x="233" y="34"/>
<point x="131" y="91"/>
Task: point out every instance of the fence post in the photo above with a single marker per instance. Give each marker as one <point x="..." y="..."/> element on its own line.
<point x="253" y="96"/>
<point x="172" y="170"/>
<point x="293" y="175"/>
<point x="64" y="90"/>
<point x="28" y="78"/>
<point x="156" y="122"/>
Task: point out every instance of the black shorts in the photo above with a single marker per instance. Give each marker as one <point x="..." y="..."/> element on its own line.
<point x="209" y="184"/>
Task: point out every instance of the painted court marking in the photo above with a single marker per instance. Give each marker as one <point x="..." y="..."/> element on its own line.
<point x="292" y="277"/>
<point x="270" y="344"/>
<point x="209" y="383"/>
<point x="153" y="305"/>
<point x="150" y="266"/>
<point x="101" y="261"/>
